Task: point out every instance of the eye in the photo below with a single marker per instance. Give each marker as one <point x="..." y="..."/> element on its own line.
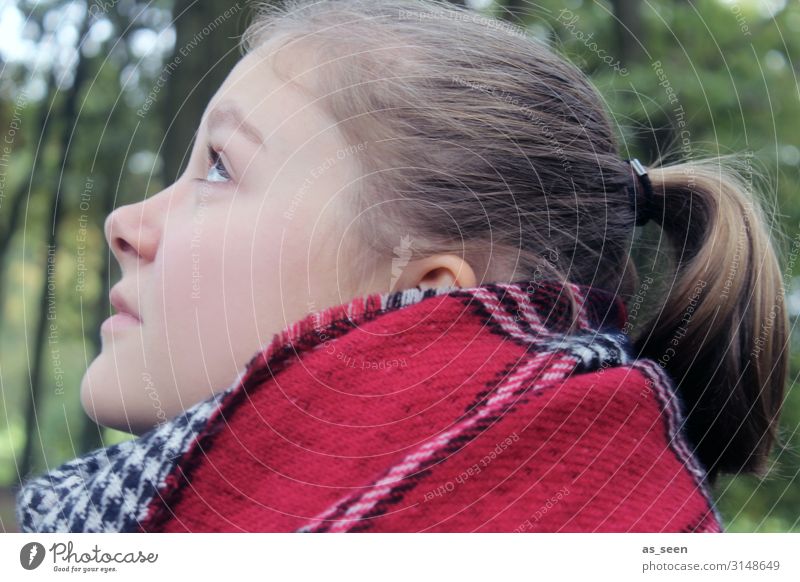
<point x="217" y="172"/>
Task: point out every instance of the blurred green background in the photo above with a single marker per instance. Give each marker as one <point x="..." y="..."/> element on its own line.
<point x="96" y="112"/>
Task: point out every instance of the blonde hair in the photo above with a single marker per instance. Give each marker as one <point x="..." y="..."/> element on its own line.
<point x="485" y="143"/>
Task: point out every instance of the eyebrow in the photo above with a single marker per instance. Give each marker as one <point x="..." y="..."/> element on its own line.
<point x="231" y="116"/>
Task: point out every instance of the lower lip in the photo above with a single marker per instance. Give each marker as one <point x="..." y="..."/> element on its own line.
<point x="118" y="321"/>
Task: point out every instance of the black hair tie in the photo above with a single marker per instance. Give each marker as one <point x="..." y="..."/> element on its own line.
<point x="646" y="211"/>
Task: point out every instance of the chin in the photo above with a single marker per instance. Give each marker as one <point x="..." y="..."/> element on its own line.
<point x="104" y="405"/>
<point x="89" y="402"/>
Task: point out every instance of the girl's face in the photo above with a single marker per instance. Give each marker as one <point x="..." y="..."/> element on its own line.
<point x="244" y="243"/>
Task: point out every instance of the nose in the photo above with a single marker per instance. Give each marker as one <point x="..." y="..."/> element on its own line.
<point x="133" y="231"/>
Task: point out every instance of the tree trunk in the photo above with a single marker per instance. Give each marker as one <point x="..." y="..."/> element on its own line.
<point x="41" y="129"/>
<point x="628" y="29"/>
<point x="206" y="50"/>
<point x="90" y="434"/>
<point x="69" y="115"/>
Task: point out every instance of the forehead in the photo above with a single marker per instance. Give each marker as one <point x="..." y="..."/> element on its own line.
<point x="263" y="85"/>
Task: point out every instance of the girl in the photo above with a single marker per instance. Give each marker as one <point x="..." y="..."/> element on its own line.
<point x="388" y="294"/>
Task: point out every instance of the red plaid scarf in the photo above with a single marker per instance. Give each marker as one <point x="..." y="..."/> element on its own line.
<point x="444" y="410"/>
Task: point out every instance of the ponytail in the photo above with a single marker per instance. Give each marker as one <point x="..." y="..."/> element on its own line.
<point x="722" y="331"/>
<point x="512" y="210"/>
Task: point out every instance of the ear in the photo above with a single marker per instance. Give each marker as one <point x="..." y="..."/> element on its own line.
<point x="435" y="271"/>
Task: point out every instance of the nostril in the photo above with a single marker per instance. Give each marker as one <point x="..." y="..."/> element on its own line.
<point x="123" y="245"/>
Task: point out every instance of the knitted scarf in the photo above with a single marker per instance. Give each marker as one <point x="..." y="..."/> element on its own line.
<point x="443" y="410"/>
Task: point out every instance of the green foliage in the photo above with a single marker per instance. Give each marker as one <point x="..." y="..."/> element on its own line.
<point x="731" y="68"/>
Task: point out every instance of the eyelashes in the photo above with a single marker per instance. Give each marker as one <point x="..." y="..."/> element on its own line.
<point x="217" y="172"/>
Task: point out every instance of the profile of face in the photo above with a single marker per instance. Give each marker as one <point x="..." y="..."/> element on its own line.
<point x="244" y="243"/>
<point x="241" y="245"/>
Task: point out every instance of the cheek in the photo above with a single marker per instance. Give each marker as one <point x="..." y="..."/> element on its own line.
<point x="224" y="285"/>
<point x="268" y="269"/>
<point x="216" y="290"/>
<point x="288" y="265"/>
<point x="183" y="313"/>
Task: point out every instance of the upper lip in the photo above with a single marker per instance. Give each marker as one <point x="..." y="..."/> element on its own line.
<point x="120" y="304"/>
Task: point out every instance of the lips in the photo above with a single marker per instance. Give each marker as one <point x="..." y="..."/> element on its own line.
<point x="121" y="305"/>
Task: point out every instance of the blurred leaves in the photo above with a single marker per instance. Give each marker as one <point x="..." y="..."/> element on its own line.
<point x="732" y="65"/>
